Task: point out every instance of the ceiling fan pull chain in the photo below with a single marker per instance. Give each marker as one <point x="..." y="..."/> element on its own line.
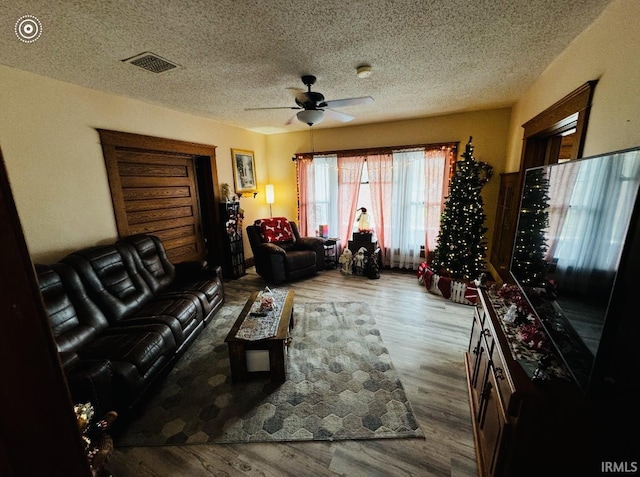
<point x="313" y="148"/>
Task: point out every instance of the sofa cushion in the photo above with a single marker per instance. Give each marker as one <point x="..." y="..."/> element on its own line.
<point x="141" y="349"/>
<point x="276" y="230"/>
<point x="74" y="320"/>
<point x="151" y="260"/>
<point x="188" y="280"/>
<point x="300" y="259"/>
<point x="180" y="313"/>
<point x="112" y="280"/>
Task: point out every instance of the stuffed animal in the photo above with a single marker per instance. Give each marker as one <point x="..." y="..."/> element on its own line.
<point x="346" y="260"/>
<point x="360" y="260"/>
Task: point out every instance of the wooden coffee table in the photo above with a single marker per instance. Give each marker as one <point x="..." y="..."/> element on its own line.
<point x="275" y="346"/>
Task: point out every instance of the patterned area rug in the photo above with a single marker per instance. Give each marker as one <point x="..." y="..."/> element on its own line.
<point x="340" y="385"/>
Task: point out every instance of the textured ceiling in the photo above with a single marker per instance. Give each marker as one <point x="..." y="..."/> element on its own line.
<point x="428" y="57"/>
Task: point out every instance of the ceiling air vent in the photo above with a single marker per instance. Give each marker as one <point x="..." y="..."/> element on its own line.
<point x="152" y="62"/>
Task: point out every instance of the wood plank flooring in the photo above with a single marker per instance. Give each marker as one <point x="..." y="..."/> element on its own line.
<point x="426" y="336"/>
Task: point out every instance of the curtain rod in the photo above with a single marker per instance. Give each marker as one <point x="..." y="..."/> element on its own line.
<point x="375" y="150"/>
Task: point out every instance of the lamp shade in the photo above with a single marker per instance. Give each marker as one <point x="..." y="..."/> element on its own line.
<point x="269" y="193"/>
<point x="310" y="116"/>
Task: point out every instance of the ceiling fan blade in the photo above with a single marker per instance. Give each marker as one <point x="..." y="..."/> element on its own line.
<point x="345" y="118"/>
<point x="291" y="119"/>
<point x="341" y="103"/>
<point x="276" y="107"/>
<point x="301" y="96"/>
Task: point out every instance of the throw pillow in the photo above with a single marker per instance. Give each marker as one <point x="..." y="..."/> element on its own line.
<point x="275" y="230"/>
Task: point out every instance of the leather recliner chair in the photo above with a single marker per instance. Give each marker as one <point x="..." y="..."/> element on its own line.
<point x="280" y="254"/>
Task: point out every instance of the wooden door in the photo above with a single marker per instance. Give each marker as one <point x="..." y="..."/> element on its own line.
<point x="156" y="193"/>
<point x="506" y="215"/>
<point x="154" y="189"/>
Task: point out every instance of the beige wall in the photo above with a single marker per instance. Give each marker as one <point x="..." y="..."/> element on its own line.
<point x="56" y="167"/>
<point x="608" y="51"/>
<point x="55" y="163"/>
<point x="488" y="128"/>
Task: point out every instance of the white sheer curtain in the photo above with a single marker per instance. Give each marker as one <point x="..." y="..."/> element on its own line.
<point x="437" y="169"/>
<point x="407" y="210"/>
<point x="419" y="182"/>
<point x="326" y="193"/>
<point x="593" y="233"/>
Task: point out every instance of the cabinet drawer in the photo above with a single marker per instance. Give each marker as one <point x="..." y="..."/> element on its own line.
<point x="503" y="382"/>
<point x="494" y="429"/>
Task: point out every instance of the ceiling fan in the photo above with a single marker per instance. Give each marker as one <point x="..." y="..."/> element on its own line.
<point x="314" y="107"/>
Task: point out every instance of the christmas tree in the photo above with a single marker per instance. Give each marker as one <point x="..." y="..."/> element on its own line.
<point x="530" y="242"/>
<point x="461" y="244"/>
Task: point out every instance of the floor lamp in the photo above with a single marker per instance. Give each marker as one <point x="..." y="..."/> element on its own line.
<point x="270" y="195"/>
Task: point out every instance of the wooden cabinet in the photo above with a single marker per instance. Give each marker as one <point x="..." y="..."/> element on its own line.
<point x="506" y="221"/>
<point x="490" y="392"/>
<point x="521" y="427"/>
<point x="233" y="257"/>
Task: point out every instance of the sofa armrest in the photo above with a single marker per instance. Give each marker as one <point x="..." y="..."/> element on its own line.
<point x="91" y="380"/>
<point x="187" y="271"/>
<point x="309" y="243"/>
<point x="313" y="243"/>
<point x="68" y="359"/>
<point x="270" y="248"/>
<point x="189" y="268"/>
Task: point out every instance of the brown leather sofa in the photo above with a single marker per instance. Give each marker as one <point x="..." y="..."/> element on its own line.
<point x="284" y="256"/>
<point x="122" y="314"/>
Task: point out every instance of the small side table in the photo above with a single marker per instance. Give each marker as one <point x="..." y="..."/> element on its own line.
<point x="331" y="246"/>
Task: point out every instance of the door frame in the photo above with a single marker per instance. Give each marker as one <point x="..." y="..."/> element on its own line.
<point x="206" y="178"/>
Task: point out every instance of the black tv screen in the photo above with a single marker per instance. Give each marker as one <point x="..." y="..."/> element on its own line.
<point x="573" y="227"/>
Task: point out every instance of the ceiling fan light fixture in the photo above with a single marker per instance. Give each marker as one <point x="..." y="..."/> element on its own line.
<point x="310" y="116"/>
<point x="363" y="71"/>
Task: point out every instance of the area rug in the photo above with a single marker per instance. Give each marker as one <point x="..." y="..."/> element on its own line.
<point x="340" y="385"/>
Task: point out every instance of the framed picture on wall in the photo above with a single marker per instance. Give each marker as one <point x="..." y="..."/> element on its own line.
<point x="244" y="171"/>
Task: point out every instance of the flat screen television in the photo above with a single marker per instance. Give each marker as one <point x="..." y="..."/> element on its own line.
<point x="576" y="258"/>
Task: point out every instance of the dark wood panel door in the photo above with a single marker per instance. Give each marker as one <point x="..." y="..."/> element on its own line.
<point x="157" y="194"/>
<point x="170" y="187"/>
<point x="506" y="217"/>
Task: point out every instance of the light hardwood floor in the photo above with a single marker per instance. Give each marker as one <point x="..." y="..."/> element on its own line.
<point x="426" y="336"/>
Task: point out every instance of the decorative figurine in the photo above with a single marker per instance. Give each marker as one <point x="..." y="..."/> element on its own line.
<point x="373" y="270"/>
<point x="225" y="192"/>
<point x="511" y="314"/>
<point x="360" y="260"/>
<point x="363" y="221"/>
<point x="346" y="260"/>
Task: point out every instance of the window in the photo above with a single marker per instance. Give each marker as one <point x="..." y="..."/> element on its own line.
<point x="403" y="191"/>
<point x="326" y="190"/>
<point x="364" y="200"/>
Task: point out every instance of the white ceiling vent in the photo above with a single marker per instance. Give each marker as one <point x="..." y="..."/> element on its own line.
<point x="152" y="62"/>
